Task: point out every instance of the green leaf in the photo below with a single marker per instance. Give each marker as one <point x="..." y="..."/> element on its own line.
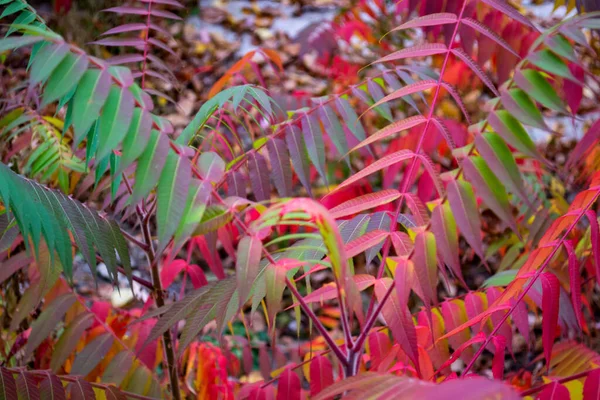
<point x="551" y="63"/>
<point x="464" y="206"/>
<point x="313" y="137"/>
<point x="443" y="226"/>
<point x="334" y="129"/>
<point x="349" y="116"/>
<point x="211" y="166"/>
<point x="13" y="8"/>
<point x="90" y="96"/>
<point x="511" y="130"/>
<point x="12" y="43"/>
<point x="195" y="205"/>
<point x="150" y="165"/>
<point x="490" y="189"/>
<point x="519" y="104"/>
<point x="48" y="58"/>
<point x="114" y="121"/>
<point x="503" y="278"/>
<point x="214" y="217"/>
<point x="64" y="77"/>
<point x="536" y="85"/>
<point x="136" y="139"/>
<point x="500" y="159"/>
<point x="171" y="196"/>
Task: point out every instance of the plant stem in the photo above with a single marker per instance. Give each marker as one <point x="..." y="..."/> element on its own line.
<point x="160" y="301"/>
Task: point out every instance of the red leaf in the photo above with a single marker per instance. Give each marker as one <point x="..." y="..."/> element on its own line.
<point x="289" y="387"/>
<point x="554" y="391"/>
<point x="573" y="91"/>
<point x="196" y="275"/>
<point x="321" y="374"/>
<point x="170" y="271"/>
<point x="550" y="298"/>
<point x="498" y="360"/>
<point x="584" y="144"/>
<point x="591" y="387"/>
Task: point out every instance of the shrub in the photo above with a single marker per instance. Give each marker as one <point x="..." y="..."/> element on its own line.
<point x="386" y="186"/>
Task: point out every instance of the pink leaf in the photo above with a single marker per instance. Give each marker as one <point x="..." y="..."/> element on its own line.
<point x="365" y="242"/>
<point x="507" y="9"/>
<point x="423" y="50"/>
<point x="280" y="165"/>
<point x="456" y="96"/>
<point x="259" y="176"/>
<point x="379" y="348"/>
<point x="402" y="243"/>
<point x="407" y="90"/>
<point x="480" y="337"/>
<point x="246" y="266"/>
<point x="127" y="10"/>
<point x="458" y="52"/>
<point x="435" y="19"/>
<point x="391" y="129"/>
<point x="321" y="374"/>
<point x="173" y="3"/>
<point x="444" y="131"/>
<point x="399" y="320"/>
<point x="364" y="202"/>
<point x="484" y="30"/>
<point x="136" y="42"/>
<point x="289" y="386"/>
<point x="550" y="305"/>
<point x="378" y="165"/>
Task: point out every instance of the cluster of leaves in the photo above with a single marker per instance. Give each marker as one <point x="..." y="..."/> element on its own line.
<point x="392" y="223"/>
